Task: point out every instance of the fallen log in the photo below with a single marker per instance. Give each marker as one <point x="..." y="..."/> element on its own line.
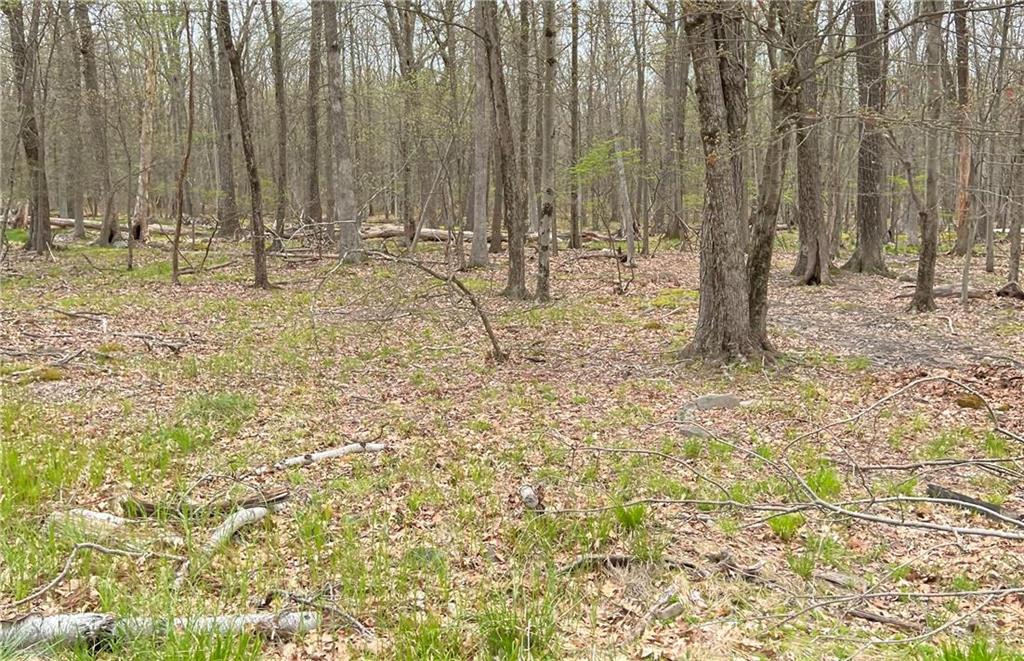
<point x="167" y="230"/>
<point x="225" y="531"/>
<point x="82" y="519"/>
<point x="35" y="632"/>
<point x="1011" y="290"/>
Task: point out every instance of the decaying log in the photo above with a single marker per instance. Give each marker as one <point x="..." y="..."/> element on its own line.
<point x="312" y="458"/>
<point x="168" y="230"/>
<point x="1011" y="290"/>
<point x="42" y="631"/>
<point x="83" y="519"/>
<point x="137" y="507"/>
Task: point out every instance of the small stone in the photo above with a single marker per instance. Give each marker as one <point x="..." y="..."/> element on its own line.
<point x="690" y="430"/>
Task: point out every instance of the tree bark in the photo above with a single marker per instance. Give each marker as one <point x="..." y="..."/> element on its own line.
<point x="234" y="61"/>
<point x="1013" y="269"/>
<point x="575" y="238"/>
<point x="143" y="196"/>
<point x="314" y="211"/>
<point x="871" y="231"/>
<point x="723" y="324"/>
<point x="73" y="134"/>
<point x="924" y="296"/>
<point x="481" y="143"/>
<point x="964" y="238"/>
<point x="545" y="233"/>
<point x="514" y="203"/>
<point x="109" y="231"/>
<point x="227" y="205"/>
<point x="345" y="214"/>
<point x="281" y="103"/>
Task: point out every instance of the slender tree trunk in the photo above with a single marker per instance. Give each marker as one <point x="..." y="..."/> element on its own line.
<point x="1013" y="270"/>
<point x="345" y="215"/>
<point x="314" y="211"/>
<point x="402" y="26"/>
<point x="234" y="61"/>
<point x="867" y="257"/>
<point x="514" y="202"/>
<point x="723" y="324"/>
<point x="547" y="121"/>
<point x="481" y="143"/>
<point x="575" y="236"/>
<point x="924" y="296"/>
<point x="497" y="175"/>
<point x="183" y="172"/>
<point x="73" y="134"/>
<point x="638" y="24"/>
<point x="109" y="230"/>
<point x="227" y="205"/>
<point x="964" y="165"/>
<point x="281" y="103"/>
<point x="143" y="197"/>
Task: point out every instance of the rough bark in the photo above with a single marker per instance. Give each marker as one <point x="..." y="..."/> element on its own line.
<point x="964" y="237"/>
<point x="575" y="239"/>
<point x="514" y="202"/>
<point x="545" y="230"/>
<point x="94" y="107"/>
<point x="346" y="217"/>
<point x="73" y="134"/>
<point x="227" y="205"/>
<point x="871" y="230"/>
<point x="259" y="256"/>
<point x="281" y="103"/>
<point x="313" y="209"/>
<point x="402" y="26"/>
<point x="924" y="297"/>
<point x="143" y="194"/>
<point x="723" y="325"/>
<point x="1013" y="268"/>
<point x="481" y="143"/>
<point x="639" y="30"/>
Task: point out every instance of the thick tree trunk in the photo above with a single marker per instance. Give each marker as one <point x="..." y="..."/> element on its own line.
<point x="143" y="195"/>
<point x="867" y="257"/>
<point x="723" y="324"/>
<point x="924" y="296"/>
<point x="227" y="205"/>
<point x="545" y="232"/>
<point x="514" y="202"/>
<point x="109" y="231"/>
<point x="481" y="143"/>
<point x="345" y="214"/>
<point x="234" y="60"/>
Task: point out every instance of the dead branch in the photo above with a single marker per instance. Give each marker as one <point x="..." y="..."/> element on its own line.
<point x="312" y="458"/>
<point x="990" y="510"/>
<point x="225" y="531"/>
<point x="591" y="561"/>
<point x="136" y="507"/>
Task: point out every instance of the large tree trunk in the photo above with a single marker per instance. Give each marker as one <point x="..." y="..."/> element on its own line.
<point x="964" y="237"/>
<point x="109" y="231"/>
<point x="281" y="103"/>
<point x="723" y="324"/>
<point x="313" y="210"/>
<point x="143" y="196"/>
<point x="481" y="142"/>
<point x="345" y="215"/>
<point x="1013" y="271"/>
<point x="815" y="246"/>
<point x="867" y="257"/>
<point x="234" y="60"/>
<point x="545" y="233"/>
<point x="924" y="296"/>
<point x="402" y="26"/>
<point x="23" y="54"/>
<point x="514" y="203"/>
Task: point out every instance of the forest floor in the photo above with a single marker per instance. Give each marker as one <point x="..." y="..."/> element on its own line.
<point x="167" y="393"/>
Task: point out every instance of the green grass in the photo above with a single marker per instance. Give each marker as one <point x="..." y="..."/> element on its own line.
<point x="786" y="526"/>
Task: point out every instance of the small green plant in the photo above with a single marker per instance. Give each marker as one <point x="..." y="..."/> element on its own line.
<point x="802" y="564"/>
<point x="996" y="445"/>
<point x="427" y="638"/>
<point x="825" y="482"/>
<point x="630" y="517"/>
<point x="508" y="634"/>
<point x="978" y="649"/>
<point x="785" y="526"/>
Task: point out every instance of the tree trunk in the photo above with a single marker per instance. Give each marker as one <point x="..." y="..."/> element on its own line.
<point x="345" y="214"/>
<point x="481" y="143"/>
<point x="109" y="231"/>
<point x="143" y="196"/>
<point x="234" y="60"/>
<point x="547" y="121"/>
<point x="402" y="26"/>
<point x="498" y="208"/>
<point x="924" y="296"/>
<point x="867" y="257"/>
<point x="638" y="24"/>
<point x="964" y="235"/>
<point x="575" y="237"/>
<point x="514" y="202"/>
<point x="314" y="211"/>
<point x="723" y="324"/>
<point x="73" y="133"/>
<point x="227" y="205"/>
<point x="281" y="103"/>
<point x="1013" y="271"/>
<point x="815" y="245"/>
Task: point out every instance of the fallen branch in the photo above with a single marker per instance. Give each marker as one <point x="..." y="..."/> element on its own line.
<point x="591" y="561"/>
<point x="225" y="531"/>
<point x="137" y="507"/>
<point x="885" y="619"/>
<point x="87" y="519"/>
<point x="987" y="509"/>
<point x="307" y="459"/>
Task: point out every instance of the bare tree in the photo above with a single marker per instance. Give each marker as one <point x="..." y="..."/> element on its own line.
<point x="481" y="142"/>
<point x="281" y="105"/>
<point x="547" y="121"/>
<point x="346" y="216"/>
<point x="314" y="210"/>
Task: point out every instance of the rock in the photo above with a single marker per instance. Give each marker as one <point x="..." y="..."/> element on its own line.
<point x="970" y="401"/>
<point x="690" y="430"/>
<point x="715" y="401"/>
